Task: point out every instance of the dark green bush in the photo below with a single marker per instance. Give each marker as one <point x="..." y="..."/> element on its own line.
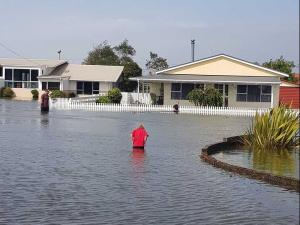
<point x="206" y="97"/>
<point x="69" y="94"/>
<point x="153" y="98"/>
<point x="35" y="94"/>
<point x="103" y="99"/>
<point x="57" y="94"/>
<point x="114" y="95"/>
<point x="7" y="92"/>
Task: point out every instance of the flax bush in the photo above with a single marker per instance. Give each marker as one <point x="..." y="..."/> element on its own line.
<point x="274" y="130"/>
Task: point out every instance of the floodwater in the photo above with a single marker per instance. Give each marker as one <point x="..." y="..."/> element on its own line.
<point x="76" y="167"/>
<point x="283" y="163"/>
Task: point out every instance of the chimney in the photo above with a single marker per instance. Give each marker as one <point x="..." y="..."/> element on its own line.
<point x="193" y="49"/>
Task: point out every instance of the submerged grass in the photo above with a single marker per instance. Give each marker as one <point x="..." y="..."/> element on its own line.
<point x="274" y="130"/>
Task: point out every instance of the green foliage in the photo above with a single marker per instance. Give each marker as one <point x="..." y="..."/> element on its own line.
<point x="131" y="69"/>
<point x="281" y="65"/>
<point x="103" y="54"/>
<point x="6" y="92"/>
<point x="153" y="98"/>
<point x="35" y="94"/>
<point x="114" y="95"/>
<point x="69" y="94"/>
<point x="120" y="55"/>
<point x="274" y="130"/>
<point x="156" y="63"/>
<point x="103" y="99"/>
<point x="124" y="50"/>
<point x="57" y="94"/>
<point x="206" y="97"/>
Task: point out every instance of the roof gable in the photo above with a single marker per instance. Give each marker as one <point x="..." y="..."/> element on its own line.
<point x="222" y="65"/>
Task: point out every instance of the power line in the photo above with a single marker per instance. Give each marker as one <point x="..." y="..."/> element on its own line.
<point x="17" y="54"/>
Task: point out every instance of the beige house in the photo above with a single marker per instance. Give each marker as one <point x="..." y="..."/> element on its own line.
<point x="23" y="75"/>
<point x="241" y="83"/>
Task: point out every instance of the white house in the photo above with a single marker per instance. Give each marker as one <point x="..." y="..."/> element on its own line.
<point x="23" y="75"/>
<point x="241" y="83"/>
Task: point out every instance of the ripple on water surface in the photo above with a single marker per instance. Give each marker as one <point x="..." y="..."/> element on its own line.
<point x="75" y="167"/>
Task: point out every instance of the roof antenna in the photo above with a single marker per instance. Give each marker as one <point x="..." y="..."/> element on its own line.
<point x="193" y="49"/>
<point x="59" y="52"/>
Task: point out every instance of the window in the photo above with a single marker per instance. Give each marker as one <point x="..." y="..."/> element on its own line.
<point x="34" y="75"/>
<point x="8" y="74"/>
<point x="180" y="91"/>
<point x="44" y="85"/>
<point x="95" y="87"/>
<point x="253" y="93"/>
<point x="176" y="91"/>
<point x="1" y="71"/>
<point x="53" y="85"/>
<point x="88" y="88"/>
<point x="241" y="93"/>
<point x="219" y="87"/>
<point x="266" y="92"/>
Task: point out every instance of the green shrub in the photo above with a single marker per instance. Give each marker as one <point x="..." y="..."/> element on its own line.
<point x="7" y="92"/>
<point x="276" y="130"/>
<point x="35" y="94"/>
<point x="57" y="94"/>
<point x="206" y="97"/>
<point x="103" y="99"/>
<point x="69" y="94"/>
<point x="114" y="95"/>
<point x="153" y="98"/>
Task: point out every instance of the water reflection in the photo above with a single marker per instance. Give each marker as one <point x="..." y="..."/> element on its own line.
<point x="280" y="162"/>
<point x="138" y="159"/>
<point x="44" y="119"/>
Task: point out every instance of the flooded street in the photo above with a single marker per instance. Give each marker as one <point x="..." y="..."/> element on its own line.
<point x="76" y="167"/>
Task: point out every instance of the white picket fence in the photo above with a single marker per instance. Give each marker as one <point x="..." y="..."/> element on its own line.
<point x="127" y="98"/>
<point x="69" y="104"/>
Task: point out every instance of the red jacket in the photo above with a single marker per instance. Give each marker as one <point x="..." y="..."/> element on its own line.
<point x="139" y="137"/>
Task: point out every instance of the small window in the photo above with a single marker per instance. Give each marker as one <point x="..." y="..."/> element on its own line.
<point x="44" y="85"/>
<point x="176" y="91"/>
<point x="176" y="87"/>
<point x="34" y="75"/>
<point x="186" y="88"/>
<point x="53" y="85"/>
<point x="8" y="74"/>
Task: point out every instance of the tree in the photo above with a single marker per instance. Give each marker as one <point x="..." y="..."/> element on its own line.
<point x="156" y="63"/>
<point x="281" y="65"/>
<point x="121" y="55"/>
<point x="206" y="97"/>
<point x="103" y="54"/>
<point x="124" y="50"/>
<point x="131" y="69"/>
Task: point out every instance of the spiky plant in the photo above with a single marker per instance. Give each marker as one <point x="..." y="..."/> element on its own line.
<point x="274" y="130"/>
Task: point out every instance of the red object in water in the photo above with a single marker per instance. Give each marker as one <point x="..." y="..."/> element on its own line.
<point x="139" y="137"/>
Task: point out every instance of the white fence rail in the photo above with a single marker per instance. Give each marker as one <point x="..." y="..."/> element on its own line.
<point x="69" y="104"/>
<point x="127" y="98"/>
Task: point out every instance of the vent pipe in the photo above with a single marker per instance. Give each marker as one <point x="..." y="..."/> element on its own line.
<point x="193" y="49"/>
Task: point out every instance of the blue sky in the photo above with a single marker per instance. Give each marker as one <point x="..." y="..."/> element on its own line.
<point x="254" y="30"/>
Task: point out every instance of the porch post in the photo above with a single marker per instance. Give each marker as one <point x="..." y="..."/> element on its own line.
<point x="138" y="90"/>
<point x="272" y="96"/>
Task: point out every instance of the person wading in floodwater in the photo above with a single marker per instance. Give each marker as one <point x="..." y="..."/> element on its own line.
<point x="139" y="137"/>
<point x="45" y="102"/>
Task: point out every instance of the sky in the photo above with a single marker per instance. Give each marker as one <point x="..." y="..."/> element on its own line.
<point x="253" y="30"/>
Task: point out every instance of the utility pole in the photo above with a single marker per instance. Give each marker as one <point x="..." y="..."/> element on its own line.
<point x="59" y="52"/>
<point x="193" y="49"/>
